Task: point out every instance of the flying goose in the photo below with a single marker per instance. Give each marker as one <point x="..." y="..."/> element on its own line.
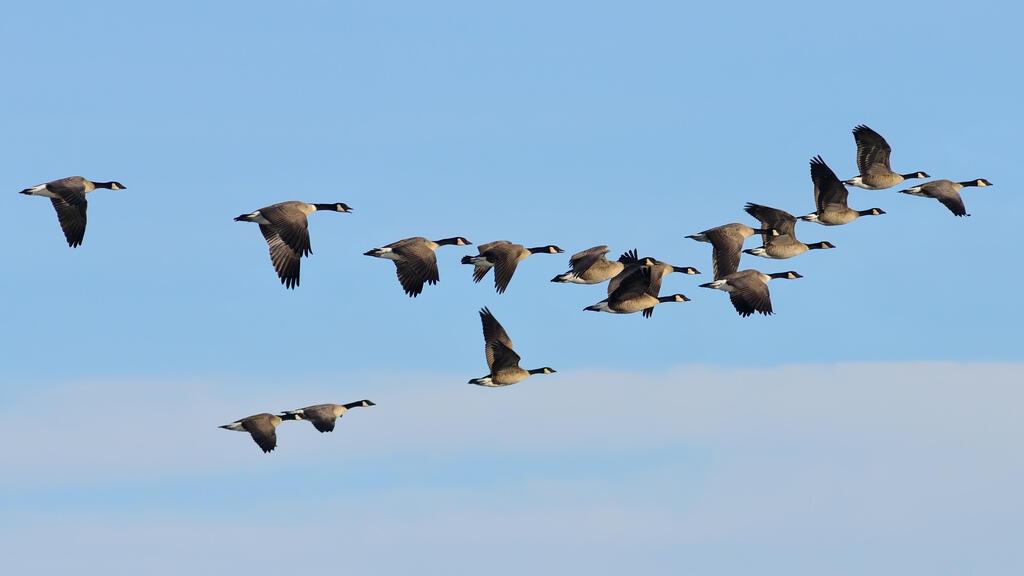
<point x="68" y="198"/>
<point x="502" y="361"/>
<point x="590" y="266"/>
<point x="726" y="243"/>
<point x="323" y="416"/>
<point x="785" y="244"/>
<point x="748" y="290"/>
<point x="636" y="293"/>
<point x="286" y="230"/>
<point x="658" y="268"/>
<point x="830" y="198"/>
<point x="503" y="256"/>
<point x="415" y="261"/>
<point x="262" y="428"/>
<point x="947" y="192"/>
<point x="873" y="162"/>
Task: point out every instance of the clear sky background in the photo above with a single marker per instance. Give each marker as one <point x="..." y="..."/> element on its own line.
<point x="870" y="426"/>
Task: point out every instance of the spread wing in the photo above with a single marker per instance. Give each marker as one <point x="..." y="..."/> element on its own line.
<point x="263" y="432"/>
<point x="580" y="262"/>
<point x="285" y="259"/>
<point x="291" y="226"/>
<point x="751" y="295"/>
<point x="635" y="285"/>
<point x="71" y="215"/>
<point x="872" y="149"/>
<point x="725" y="251"/>
<point x="505" y="259"/>
<point x="417" y="267"/>
<point x="504" y="357"/>
<point x="828" y="189"/>
<point x="783" y="222"/>
<point x="954" y="202"/>
<point x="493" y="332"/>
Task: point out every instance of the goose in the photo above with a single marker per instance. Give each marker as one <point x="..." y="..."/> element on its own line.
<point x="658" y="268"/>
<point x="286" y="230"/>
<point x="415" y="261"/>
<point x="590" y="266"/>
<point x="726" y="243"/>
<point x="748" y="290"/>
<point x="323" y="416"/>
<point x="636" y="293"/>
<point x="68" y="198"/>
<point x="947" y="192"/>
<point x="502" y="360"/>
<point x="785" y="245"/>
<point x="873" y="162"/>
<point x="830" y="198"/>
<point x="503" y="256"/>
<point x="262" y="428"/>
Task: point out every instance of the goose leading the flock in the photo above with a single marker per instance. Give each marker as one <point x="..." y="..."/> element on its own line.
<point x="873" y="162"/>
<point x="784" y="244"/>
<point x="830" y="198"/>
<point x="748" y="290"/>
<point x="68" y="198"/>
<point x="636" y="293"/>
<point x="726" y="243"/>
<point x="590" y="266"/>
<point x="415" y="261"/>
<point x="286" y="230"/>
<point x="502" y="360"/>
<point x="262" y="428"/>
<point x="504" y="257"/>
<point x="947" y="192"/>
<point x="324" y="416"/>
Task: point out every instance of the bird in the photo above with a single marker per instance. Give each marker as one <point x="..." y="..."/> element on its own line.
<point x="785" y="244"/>
<point x="636" y="293"/>
<point x="947" y="192"/>
<point x="726" y="243"/>
<point x="415" y="261"/>
<point x="830" y="198"/>
<point x="262" y="428"/>
<point x="323" y="416"/>
<point x="503" y="256"/>
<point x="748" y="290"/>
<point x="68" y="198"/>
<point x="873" y="162"/>
<point x="502" y="360"/>
<point x="658" y="268"/>
<point x="286" y="230"/>
<point x="590" y="266"/>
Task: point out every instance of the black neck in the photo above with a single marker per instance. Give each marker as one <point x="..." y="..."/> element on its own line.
<point x="865" y="212"/>
<point x="539" y="250"/>
<point x="910" y="176"/>
<point x="969" y="183"/>
<point x="107" y="185"/>
<point x="447" y="241"/>
<point x="816" y="246"/>
<point x="352" y="405"/>
<point x="331" y="207"/>
<point x="536" y="371"/>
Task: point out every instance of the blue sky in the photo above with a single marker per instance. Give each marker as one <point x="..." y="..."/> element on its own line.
<point x="576" y="123"/>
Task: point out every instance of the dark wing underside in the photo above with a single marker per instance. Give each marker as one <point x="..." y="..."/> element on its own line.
<point x="285" y="259"/>
<point x="71" y="213"/>
<point x="291" y="226"/>
<point x="262" y="432"/>
<point x="580" y="262"/>
<point x="417" y="267"/>
<point x="493" y="332"/>
<point x="828" y="189"/>
<point x="872" y="150"/>
<point x="725" y="252"/>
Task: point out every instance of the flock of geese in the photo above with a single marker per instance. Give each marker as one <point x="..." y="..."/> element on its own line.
<point x="634" y="283"/>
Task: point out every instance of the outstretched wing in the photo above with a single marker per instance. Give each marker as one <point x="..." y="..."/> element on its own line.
<point x="493" y="332"/>
<point x="285" y="259"/>
<point x="828" y="189"/>
<point x="872" y="149"/>
<point x="580" y="262"/>
<point x="291" y="225"/>
<point x="71" y="215"/>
